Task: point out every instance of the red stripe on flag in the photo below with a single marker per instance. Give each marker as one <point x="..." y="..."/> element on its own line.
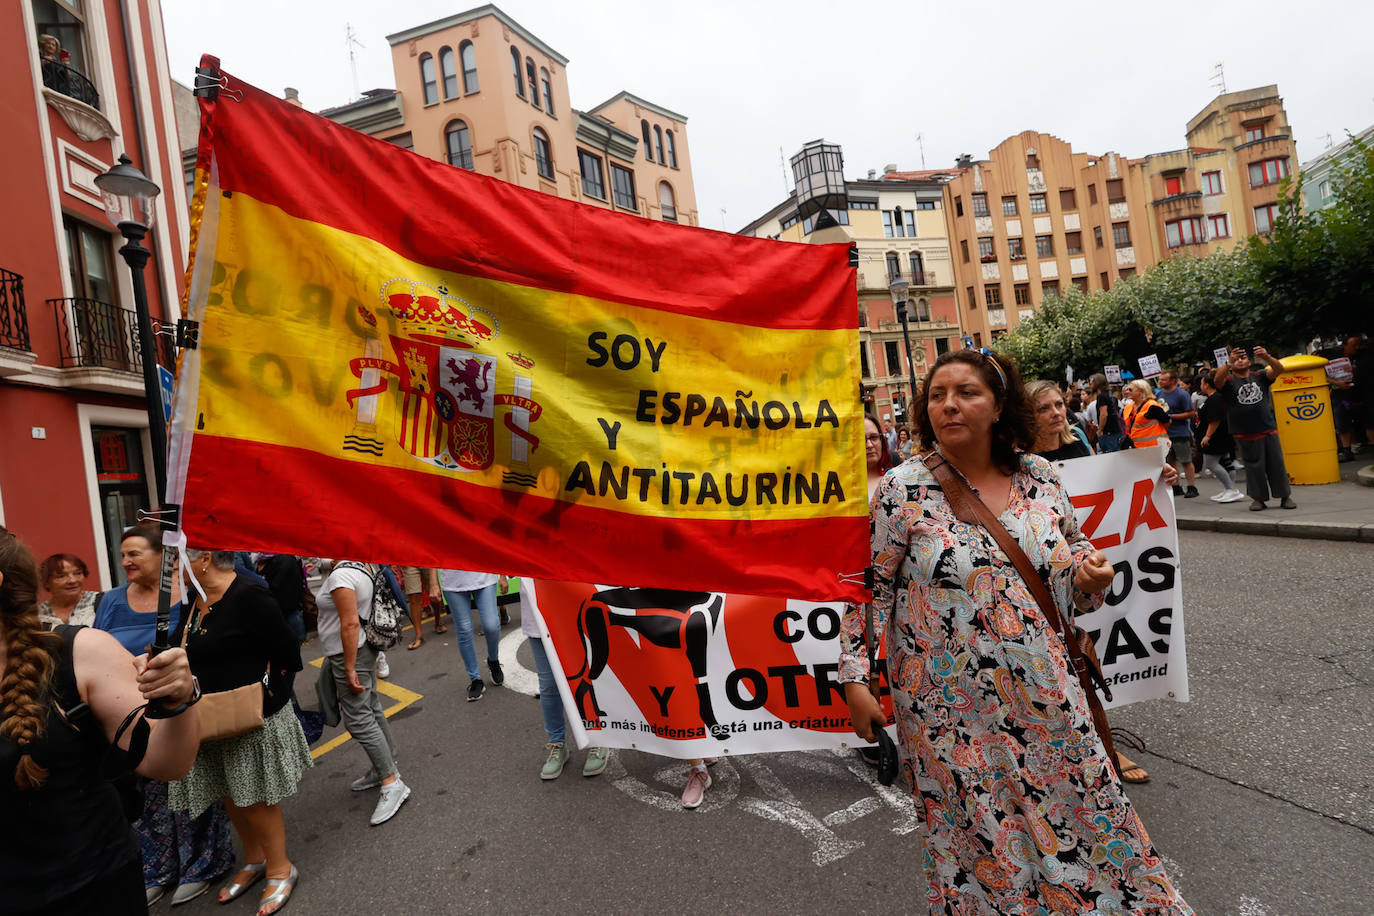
<point x="381" y="514"/>
<point x="456" y="220"/>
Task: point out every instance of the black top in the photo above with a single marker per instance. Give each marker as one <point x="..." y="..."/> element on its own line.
<point x="1074" y="449"/>
<point x="1113" y="425"/>
<point x="71" y="831"/>
<point x="1213" y="410"/>
<point x="232" y="644"/>
<point x="285" y="580"/>
<point x="1249" y="408"/>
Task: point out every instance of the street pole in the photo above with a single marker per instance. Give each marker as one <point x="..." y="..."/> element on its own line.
<point x="910" y="366"/>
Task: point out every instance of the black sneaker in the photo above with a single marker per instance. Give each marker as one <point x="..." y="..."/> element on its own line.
<point x="498" y="677"/>
<point x="1191" y="493"/>
<point x="505" y="620"/>
<point x="476" y="689"/>
<point x="1178" y="491"/>
<point x="1345" y="454"/>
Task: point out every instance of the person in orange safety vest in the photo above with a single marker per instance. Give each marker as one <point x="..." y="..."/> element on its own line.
<point x="1146" y="418"/>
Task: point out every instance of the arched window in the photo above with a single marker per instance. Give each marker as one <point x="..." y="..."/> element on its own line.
<point x="648" y="141"/>
<point x="534" y="81"/>
<point x="543" y="153"/>
<point x="672" y="150"/>
<point x="448" y="66"/>
<point x="665" y="201"/>
<point x="548" y="89"/>
<point x="519" y="74"/>
<point x="658" y="142"/>
<point x="459" y="144"/>
<point x="428" y="79"/>
<point x="469" y="58"/>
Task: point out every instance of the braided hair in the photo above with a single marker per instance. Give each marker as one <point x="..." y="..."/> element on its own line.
<point x="30" y="658"/>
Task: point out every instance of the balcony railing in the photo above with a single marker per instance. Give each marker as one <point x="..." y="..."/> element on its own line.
<point x="69" y="82"/>
<point x="14" y="317"/>
<point x="93" y="333"/>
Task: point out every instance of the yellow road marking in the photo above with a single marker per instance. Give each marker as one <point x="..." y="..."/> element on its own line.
<point x="403" y="697"/>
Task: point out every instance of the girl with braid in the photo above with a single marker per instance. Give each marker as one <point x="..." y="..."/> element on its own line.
<point x="67" y="845"/>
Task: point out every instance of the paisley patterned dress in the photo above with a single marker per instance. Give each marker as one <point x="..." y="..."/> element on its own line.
<point x="1021" y="811"/>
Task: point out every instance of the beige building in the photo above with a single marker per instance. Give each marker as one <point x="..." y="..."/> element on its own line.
<point x="1223" y="187"/>
<point x="1034" y="217"/>
<point x="479" y="91"/>
<point x="896" y="224"/>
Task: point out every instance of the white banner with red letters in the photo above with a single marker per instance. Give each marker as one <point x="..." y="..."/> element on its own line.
<point x="699" y="674"/>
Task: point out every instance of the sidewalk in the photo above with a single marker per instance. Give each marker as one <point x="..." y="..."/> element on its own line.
<point x="1334" y="511"/>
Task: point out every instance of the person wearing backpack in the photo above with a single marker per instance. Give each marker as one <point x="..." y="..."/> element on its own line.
<point x="346" y="602"/>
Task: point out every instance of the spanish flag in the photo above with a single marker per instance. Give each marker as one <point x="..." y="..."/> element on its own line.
<point x="402" y="361"/>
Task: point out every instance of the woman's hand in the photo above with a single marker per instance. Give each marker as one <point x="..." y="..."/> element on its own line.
<point x="1095" y="575"/>
<point x="502" y="584"/>
<point x="355" y="685"/>
<point x="165" y="677"/>
<point x="1170" y="475"/>
<point x="864" y="712"/>
<point x="435" y="594"/>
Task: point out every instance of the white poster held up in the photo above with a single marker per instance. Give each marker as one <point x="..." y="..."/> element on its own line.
<point x="1113" y="374"/>
<point x="1222" y="356"/>
<point x="1125" y="509"/>
<point x="1149" y="366"/>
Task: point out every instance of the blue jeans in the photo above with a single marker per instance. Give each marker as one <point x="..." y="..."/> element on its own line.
<point x="1108" y="442"/>
<point x="550" y="703"/>
<point x="485" y="599"/>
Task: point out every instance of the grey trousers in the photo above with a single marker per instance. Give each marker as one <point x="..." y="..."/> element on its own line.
<point x="362" y="712"/>
<point x="1265" y="471"/>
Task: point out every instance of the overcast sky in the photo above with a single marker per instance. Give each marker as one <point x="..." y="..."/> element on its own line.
<point x="753" y="76"/>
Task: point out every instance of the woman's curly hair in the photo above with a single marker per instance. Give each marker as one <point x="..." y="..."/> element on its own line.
<point x="30" y="658"/>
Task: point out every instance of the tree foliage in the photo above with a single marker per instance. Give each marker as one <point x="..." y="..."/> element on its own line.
<point x="1311" y="276"/>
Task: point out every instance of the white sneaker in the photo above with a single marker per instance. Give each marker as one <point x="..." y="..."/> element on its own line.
<point x="391" y="800"/>
<point x="1231" y="496"/>
<point x="1217" y="498"/>
<point x="383" y="669"/>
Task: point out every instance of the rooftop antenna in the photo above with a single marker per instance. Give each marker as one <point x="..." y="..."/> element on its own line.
<point x="1218" y="79"/>
<point x="920" y="141"/>
<point x="352" y="42"/>
<point x="1329" y="142"/>
<point x="782" y="164"/>
<point x="722" y="219"/>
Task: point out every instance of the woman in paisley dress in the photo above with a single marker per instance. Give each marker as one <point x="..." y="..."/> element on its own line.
<point x="1022" y="814"/>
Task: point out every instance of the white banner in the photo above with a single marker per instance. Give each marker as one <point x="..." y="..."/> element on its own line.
<point x="698" y="674"/>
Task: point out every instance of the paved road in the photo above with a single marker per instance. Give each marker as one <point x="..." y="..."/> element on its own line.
<point x="1262" y="799"/>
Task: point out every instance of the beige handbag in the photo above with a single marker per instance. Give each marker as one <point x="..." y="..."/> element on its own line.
<point x="228" y="713"/>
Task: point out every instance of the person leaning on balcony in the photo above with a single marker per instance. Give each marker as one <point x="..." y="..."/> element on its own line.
<point x="66" y="845"/>
<point x="49" y="48"/>
<point x="69" y="601"/>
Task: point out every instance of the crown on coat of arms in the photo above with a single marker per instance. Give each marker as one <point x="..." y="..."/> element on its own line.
<point x="430" y="312"/>
<point x="521" y="360"/>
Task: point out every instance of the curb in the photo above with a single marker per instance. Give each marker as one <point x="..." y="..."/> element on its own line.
<point x="1326" y="531"/>
<point x="1365" y="476"/>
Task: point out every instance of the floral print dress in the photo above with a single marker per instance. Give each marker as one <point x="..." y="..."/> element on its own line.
<point x="1021" y="811"/>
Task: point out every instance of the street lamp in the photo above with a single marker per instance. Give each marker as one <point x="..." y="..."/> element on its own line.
<point x="129" y="197"/>
<point x="898" y="287"/>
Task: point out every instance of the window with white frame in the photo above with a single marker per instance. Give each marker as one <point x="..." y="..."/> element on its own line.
<point x="1211" y="183"/>
<point x="1219" y="225"/>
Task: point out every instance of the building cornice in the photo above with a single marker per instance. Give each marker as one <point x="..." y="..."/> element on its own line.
<point x="642" y="103"/>
<point x="472" y="15"/>
<point x="606" y="137"/>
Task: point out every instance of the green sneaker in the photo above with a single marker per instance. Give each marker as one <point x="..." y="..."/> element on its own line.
<point x="558" y="759"/>
<point x="596" y="761"/>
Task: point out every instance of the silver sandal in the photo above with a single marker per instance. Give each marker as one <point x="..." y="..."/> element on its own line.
<point x="278" y="898"/>
<point x="234" y="889"/>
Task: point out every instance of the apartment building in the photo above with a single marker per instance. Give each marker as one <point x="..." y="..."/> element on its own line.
<point x="480" y="91"/>
<point x="1223" y="186"/>
<point x="83" y="83"/>
<point x="1035" y="217"/>
<point x="897" y="225"/>
<point x="1320" y="173"/>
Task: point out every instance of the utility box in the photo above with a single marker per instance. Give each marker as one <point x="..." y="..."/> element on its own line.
<point x="1307" y="434"/>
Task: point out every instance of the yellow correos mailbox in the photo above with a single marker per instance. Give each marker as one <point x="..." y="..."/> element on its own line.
<point x="1302" y="407"/>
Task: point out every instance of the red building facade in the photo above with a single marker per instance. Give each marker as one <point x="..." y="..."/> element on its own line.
<point x="81" y="82"/>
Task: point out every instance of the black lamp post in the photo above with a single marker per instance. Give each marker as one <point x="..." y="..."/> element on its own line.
<point x="129" y="197"/>
<point x="898" y="287"/>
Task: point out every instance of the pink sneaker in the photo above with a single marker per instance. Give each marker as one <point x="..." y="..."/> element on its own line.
<point x="698" y="781"/>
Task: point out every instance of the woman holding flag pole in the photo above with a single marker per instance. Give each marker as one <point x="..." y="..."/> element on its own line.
<point x="1020" y="806"/>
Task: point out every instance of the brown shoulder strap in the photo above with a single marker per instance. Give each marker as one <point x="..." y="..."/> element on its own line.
<point x="972" y="510"/>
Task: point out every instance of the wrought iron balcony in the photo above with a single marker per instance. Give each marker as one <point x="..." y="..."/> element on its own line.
<point x="14" y="317"/>
<point x="69" y="82"/>
<point x="92" y="333"/>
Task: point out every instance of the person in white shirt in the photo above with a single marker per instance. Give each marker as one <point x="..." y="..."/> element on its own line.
<point x="344" y="600"/>
<point x="459" y="587"/>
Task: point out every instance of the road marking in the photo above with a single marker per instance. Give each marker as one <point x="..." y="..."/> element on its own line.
<point x="396" y="692"/>
<point x="518" y="677"/>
